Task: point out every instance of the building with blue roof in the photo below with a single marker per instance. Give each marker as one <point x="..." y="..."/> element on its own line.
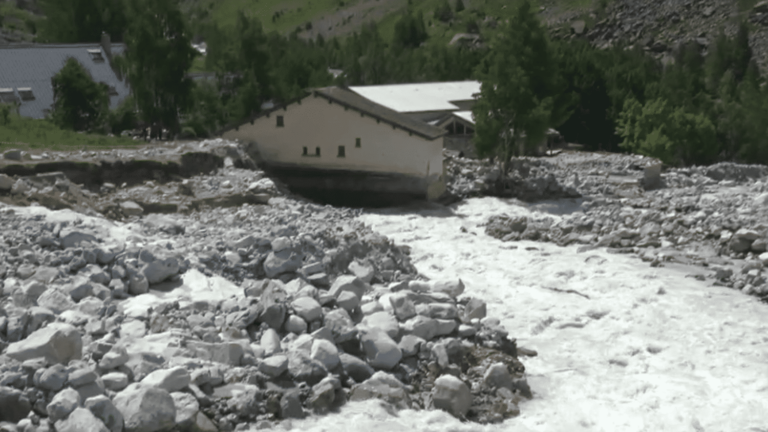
<point x="26" y="71"/>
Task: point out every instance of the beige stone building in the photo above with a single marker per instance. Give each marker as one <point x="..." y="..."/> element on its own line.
<point x="359" y="144"/>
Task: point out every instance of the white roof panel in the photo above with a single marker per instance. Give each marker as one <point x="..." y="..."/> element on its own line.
<point x="465" y="115"/>
<point x="419" y="97"/>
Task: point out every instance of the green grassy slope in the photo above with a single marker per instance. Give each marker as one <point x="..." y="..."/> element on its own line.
<point x="285" y="16"/>
<point x="288" y="14"/>
<point x="28" y="134"/>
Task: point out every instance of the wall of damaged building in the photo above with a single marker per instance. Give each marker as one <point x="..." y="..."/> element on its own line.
<point x="317" y="142"/>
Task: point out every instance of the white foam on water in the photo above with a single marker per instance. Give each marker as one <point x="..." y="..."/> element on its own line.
<point x="649" y="350"/>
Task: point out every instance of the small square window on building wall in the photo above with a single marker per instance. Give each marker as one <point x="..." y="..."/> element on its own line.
<point x="304" y="151"/>
<point x="342" y="152"/>
<point x="317" y="151"/>
<point x="357" y="142"/>
<point x="280" y="121"/>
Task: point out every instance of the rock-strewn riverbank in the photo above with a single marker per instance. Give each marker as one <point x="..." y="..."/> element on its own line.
<point x="227" y="317"/>
<point x="715" y="216"/>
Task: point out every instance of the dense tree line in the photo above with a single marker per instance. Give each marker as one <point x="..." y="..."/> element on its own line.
<point x="700" y="108"/>
<point x="705" y="105"/>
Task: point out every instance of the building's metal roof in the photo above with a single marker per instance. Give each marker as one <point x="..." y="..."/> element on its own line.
<point x="352" y="100"/>
<point x="33" y="66"/>
<point x="420" y="97"/>
<point x="357" y="102"/>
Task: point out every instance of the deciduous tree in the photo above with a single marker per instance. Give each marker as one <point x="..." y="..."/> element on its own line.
<point x="157" y="59"/>
<point x="70" y="21"/>
<point x="79" y="103"/>
<point x="515" y="106"/>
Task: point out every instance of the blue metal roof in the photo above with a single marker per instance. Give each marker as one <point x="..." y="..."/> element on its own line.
<point x="33" y="66"/>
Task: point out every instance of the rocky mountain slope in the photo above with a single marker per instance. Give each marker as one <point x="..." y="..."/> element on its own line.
<point x="660" y="25"/>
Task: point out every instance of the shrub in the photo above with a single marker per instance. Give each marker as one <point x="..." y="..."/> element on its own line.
<point x="443" y="12"/>
<point x="79" y="102"/>
<point x="5" y="114"/>
<point x="670" y="134"/>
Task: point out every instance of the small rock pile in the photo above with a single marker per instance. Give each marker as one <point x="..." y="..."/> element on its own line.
<point x="529" y="179"/>
<point x="52" y="190"/>
<point x="711" y="216"/>
<point x="233" y="318"/>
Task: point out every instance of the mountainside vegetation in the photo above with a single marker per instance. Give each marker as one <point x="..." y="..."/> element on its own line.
<point x="697" y="104"/>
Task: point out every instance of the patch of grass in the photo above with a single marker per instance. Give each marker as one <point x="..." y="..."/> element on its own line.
<point x="31" y="134"/>
<point x="441" y="32"/>
<point x="198" y="64"/>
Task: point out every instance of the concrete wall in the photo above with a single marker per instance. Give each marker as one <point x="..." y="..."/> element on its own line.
<point x="316" y="123"/>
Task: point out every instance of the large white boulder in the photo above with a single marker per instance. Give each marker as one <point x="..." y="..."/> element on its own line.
<point x="347" y="300"/>
<point x="438" y="310"/>
<point x="307" y="308"/>
<point x="81" y="420"/>
<point x="27" y="294"/>
<point x="56" y="300"/>
<point x="381" y="351"/>
<point x="384" y="321"/>
<point x="452" y="395"/>
<point x="170" y="380"/>
<point x="57" y="342"/>
<point x="130" y="208"/>
<point x="160" y="270"/>
<point x="270" y="341"/>
<point x="452" y="287"/>
<point x="762" y="200"/>
<point x="363" y="271"/>
<point x="410" y="345"/>
<point x="381" y="386"/>
<point x="146" y="409"/>
<point x="281" y="243"/>
<point x="285" y="261"/>
<point x="63" y="404"/>
<point x="421" y="326"/>
<point x="187" y="408"/>
<point x="356" y="368"/>
<point x="402" y="305"/>
<point x="115" y="357"/>
<point x="274" y="366"/>
<point x="348" y="283"/>
<point x="6" y="182"/>
<point x="326" y="353"/>
<point x="497" y="376"/>
<point x="103" y="408"/>
<point x="296" y="324"/>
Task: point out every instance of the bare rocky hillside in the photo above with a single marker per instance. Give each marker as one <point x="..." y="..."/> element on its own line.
<point x="661" y="25"/>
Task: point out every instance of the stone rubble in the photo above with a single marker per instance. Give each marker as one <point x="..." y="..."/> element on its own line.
<point x="715" y="217"/>
<point x="529" y="179"/>
<point x="224" y="318"/>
